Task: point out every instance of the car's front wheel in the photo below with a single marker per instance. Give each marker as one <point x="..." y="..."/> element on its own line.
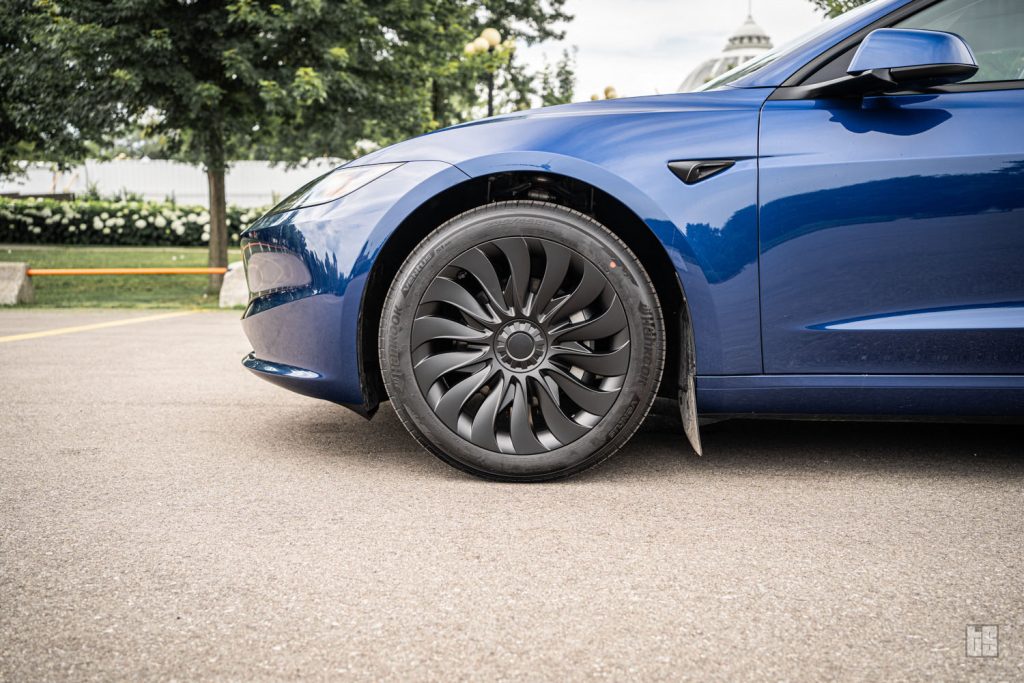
<point x="521" y="341"/>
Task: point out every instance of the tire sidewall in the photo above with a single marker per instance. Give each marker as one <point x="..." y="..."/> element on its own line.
<point x="590" y="240"/>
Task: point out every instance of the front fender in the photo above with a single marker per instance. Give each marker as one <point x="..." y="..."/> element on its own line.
<point x="623" y="147"/>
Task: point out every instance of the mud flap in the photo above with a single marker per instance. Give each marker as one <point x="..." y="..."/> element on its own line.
<point x="688" y="382"/>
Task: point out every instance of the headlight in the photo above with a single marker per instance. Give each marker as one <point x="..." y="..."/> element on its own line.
<point x="333" y="185"/>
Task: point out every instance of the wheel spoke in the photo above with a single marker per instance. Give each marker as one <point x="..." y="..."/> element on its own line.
<point x="431" y="368"/>
<point x="591" y="400"/>
<point x="429" y="327"/>
<point x="518" y="256"/>
<point x="450" y="292"/>
<point x="604" y="364"/>
<point x="476" y="263"/>
<point x="483" y="432"/>
<point x="599" y="327"/>
<point x="451" y="404"/>
<point x="592" y="284"/>
<point x="523" y="439"/>
<point x="561" y="426"/>
<point x="555" y="268"/>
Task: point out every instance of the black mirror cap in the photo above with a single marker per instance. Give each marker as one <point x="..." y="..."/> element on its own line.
<point x="932" y="75"/>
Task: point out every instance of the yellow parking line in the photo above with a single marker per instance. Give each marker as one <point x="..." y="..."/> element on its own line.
<point x="94" y="326"/>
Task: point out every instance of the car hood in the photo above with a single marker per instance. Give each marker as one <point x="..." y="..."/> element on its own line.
<point x="548" y="128"/>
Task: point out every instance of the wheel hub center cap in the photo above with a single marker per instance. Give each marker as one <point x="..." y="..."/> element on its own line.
<point x="520" y="345"/>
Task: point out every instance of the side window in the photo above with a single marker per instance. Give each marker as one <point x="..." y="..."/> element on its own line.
<point x="993" y="28"/>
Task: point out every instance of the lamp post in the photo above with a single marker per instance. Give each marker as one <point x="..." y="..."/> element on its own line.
<point x="489" y="43"/>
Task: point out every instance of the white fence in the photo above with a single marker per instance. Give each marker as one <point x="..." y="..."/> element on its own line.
<point x="249" y="183"/>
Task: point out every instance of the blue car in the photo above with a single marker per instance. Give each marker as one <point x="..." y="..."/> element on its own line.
<point x="833" y="230"/>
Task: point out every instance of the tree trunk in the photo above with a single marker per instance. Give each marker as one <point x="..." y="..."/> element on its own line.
<point x="218" y="215"/>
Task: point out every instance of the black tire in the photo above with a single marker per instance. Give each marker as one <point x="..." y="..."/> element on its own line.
<point x="522" y="341"/>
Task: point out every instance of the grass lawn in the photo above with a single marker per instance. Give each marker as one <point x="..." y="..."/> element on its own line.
<point x="116" y="291"/>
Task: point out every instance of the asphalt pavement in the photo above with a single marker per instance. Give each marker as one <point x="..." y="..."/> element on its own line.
<point x="166" y="515"/>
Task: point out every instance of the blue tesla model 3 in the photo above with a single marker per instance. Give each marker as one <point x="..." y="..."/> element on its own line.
<point x="834" y="229"/>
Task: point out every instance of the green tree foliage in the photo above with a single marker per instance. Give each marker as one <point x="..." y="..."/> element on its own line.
<point x="532" y="21"/>
<point x="213" y="80"/>
<point x="219" y="76"/>
<point x="36" y="86"/>
<point x="458" y="86"/>
<point x="834" y="8"/>
<point x="558" y="80"/>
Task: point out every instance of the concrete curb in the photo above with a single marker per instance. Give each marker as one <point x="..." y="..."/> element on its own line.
<point x="234" y="291"/>
<point x="15" y="285"/>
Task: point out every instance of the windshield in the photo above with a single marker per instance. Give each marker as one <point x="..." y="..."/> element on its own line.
<point x="795" y="44"/>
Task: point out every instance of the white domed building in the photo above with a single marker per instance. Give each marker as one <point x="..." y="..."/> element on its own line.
<point x="746" y="43"/>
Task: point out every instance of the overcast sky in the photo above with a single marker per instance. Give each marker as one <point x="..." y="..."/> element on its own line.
<point x="643" y="47"/>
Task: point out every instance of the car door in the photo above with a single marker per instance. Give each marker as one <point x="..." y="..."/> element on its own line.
<point x="891" y="230"/>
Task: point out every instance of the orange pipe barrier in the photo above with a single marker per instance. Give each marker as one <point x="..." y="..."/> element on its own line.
<point x="126" y="271"/>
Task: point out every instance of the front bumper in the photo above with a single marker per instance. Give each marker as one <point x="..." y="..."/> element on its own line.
<point x="298" y="345"/>
<point x="305" y="335"/>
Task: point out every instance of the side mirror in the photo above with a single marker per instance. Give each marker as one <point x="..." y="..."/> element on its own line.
<point x="913" y="58"/>
<point x="893" y="59"/>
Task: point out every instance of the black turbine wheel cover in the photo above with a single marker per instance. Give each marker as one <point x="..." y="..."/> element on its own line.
<point x="520" y="345"/>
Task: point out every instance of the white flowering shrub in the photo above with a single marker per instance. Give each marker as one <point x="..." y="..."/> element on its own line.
<point x="48" y="221"/>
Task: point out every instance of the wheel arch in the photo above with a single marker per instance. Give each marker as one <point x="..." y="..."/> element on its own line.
<point x="541" y="184"/>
